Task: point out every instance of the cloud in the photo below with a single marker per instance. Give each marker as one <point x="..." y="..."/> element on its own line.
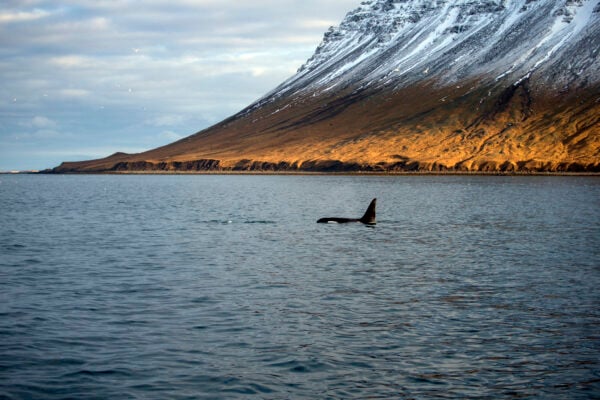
<point x="170" y="136"/>
<point x="22" y="16"/>
<point x="77" y="93"/>
<point x="39" y="122"/>
<point x="107" y="71"/>
<point x="71" y="61"/>
<point x="166" y="120"/>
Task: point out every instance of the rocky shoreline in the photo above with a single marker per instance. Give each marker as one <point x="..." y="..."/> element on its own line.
<point x="335" y="166"/>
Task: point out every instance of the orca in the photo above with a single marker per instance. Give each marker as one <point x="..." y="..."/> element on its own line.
<point x="368" y="218"/>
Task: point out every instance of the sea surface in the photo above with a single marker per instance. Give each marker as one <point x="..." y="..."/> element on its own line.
<point x="225" y="287"/>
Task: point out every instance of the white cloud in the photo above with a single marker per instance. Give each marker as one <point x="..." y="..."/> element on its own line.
<point x="43" y="122"/>
<point x="22" y="16"/>
<point x="166" y="120"/>
<point x="39" y="122"/>
<point x="108" y="70"/>
<point x="70" y="61"/>
<point x="73" y="93"/>
<point x="170" y="135"/>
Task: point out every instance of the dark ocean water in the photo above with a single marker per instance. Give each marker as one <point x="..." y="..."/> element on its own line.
<point x="212" y="287"/>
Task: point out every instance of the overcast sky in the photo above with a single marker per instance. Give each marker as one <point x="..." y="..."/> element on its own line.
<point x="83" y="79"/>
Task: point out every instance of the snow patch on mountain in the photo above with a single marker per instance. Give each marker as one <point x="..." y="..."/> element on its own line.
<point x="401" y="42"/>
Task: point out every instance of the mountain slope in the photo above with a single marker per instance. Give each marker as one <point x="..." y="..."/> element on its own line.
<point x="419" y="85"/>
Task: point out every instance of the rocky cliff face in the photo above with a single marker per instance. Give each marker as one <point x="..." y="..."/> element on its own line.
<point x="488" y="85"/>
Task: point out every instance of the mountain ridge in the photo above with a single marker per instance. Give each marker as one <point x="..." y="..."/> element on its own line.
<point x="390" y="89"/>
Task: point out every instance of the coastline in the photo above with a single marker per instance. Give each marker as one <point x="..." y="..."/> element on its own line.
<point x="322" y="173"/>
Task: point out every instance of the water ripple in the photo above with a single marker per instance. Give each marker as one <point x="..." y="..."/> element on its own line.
<point x="147" y="287"/>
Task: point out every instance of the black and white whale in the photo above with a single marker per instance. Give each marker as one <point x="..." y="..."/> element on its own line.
<point x="368" y="218"/>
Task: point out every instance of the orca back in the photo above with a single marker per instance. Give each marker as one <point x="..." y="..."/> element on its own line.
<point x="368" y="218"/>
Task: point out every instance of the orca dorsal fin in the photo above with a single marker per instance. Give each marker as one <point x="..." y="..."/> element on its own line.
<point x="369" y="217"/>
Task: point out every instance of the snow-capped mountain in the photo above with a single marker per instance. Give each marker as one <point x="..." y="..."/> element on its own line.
<point x="400" y="43"/>
<point x="482" y="85"/>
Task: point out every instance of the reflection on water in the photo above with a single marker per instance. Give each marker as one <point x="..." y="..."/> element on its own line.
<point x="225" y="287"/>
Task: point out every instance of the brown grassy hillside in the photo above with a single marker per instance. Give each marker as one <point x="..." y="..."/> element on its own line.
<point x="429" y="127"/>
